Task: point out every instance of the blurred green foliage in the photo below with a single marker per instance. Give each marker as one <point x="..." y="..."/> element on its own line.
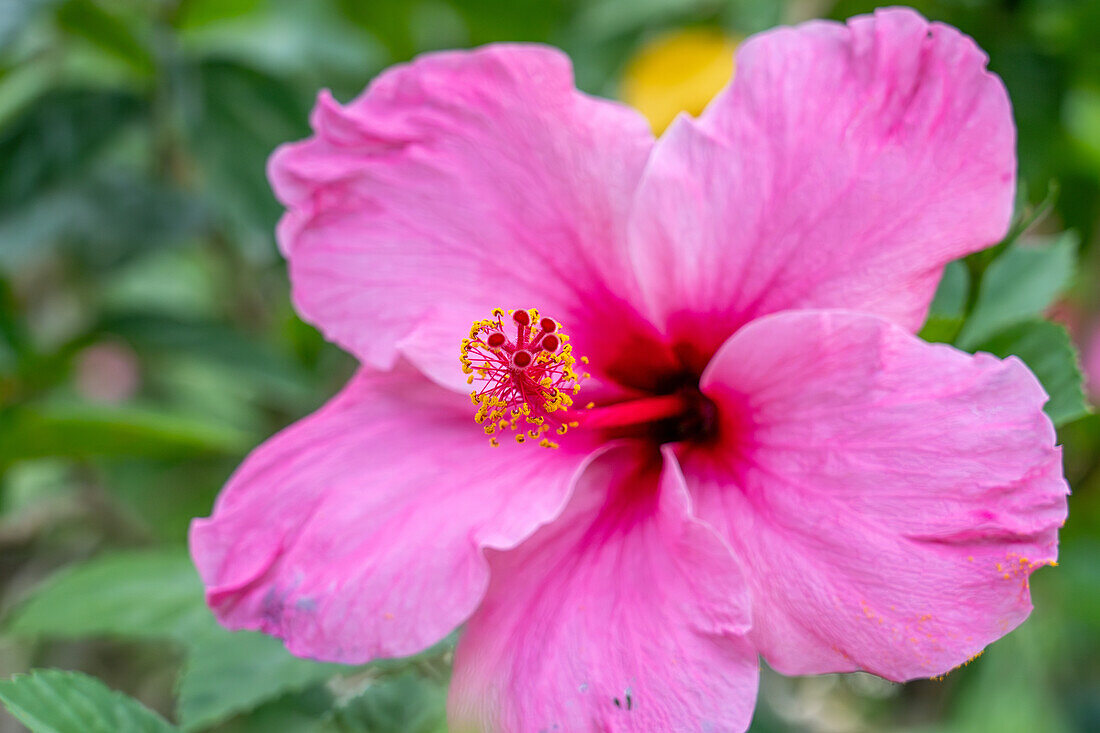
<point x="147" y="341"/>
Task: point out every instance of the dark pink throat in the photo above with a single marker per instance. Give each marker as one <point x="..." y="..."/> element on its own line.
<point x="684" y="415"/>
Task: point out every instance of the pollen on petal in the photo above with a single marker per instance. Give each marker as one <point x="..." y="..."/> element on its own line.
<point x="527" y="379"/>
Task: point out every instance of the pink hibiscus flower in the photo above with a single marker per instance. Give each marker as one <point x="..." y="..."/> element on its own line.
<point x="764" y="458"/>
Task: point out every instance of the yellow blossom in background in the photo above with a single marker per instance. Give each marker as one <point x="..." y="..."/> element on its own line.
<point x="678" y="72"/>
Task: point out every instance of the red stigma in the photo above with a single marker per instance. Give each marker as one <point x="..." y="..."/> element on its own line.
<point x="528" y="378"/>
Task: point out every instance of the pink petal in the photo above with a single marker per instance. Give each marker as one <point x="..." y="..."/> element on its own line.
<point x="455" y="184"/>
<point x="889" y="497"/>
<point x="842" y="167"/>
<point x="359" y="531"/>
<point x="625" y="614"/>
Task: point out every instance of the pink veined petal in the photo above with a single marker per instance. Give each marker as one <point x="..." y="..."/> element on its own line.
<point x="625" y="614"/>
<point x="889" y="497"/>
<point x="842" y="168"/>
<point x="359" y="531"/>
<point x="458" y="183"/>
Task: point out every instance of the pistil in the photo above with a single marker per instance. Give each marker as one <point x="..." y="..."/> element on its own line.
<point x="529" y="379"/>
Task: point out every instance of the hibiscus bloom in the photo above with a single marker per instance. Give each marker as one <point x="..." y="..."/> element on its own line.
<point x="764" y="459"/>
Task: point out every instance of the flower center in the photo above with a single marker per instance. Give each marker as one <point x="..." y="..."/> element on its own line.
<point x="528" y="379"/>
<point x="685" y="415"/>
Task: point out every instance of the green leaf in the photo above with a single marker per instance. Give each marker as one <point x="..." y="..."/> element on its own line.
<point x="1082" y="115"/>
<point x="163" y="496"/>
<point x="142" y="595"/>
<point x="297" y="712"/>
<point x="55" y="701"/>
<point x="103" y="219"/>
<point x="110" y="33"/>
<point x="946" y="314"/>
<point x="15" y="15"/>
<point x="244" y="115"/>
<point x="197" y="13"/>
<point x="1012" y="686"/>
<point x="60" y="180"/>
<point x="603" y="19"/>
<point x="58" y="137"/>
<point x="82" y="431"/>
<point x="941" y="329"/>
<point x="251" y="360"/>
<point x="227" y="673"/>
<point x="408" y="703"/>
<point x="1019" y="285"/>
<point x="752" y="16"/>
<point x="1048" y="350"/>
<point x="951" y="294"/>
<point x="152" y="595"/>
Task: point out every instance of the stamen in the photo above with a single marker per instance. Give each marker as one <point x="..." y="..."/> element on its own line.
<point x="529" y="379"/>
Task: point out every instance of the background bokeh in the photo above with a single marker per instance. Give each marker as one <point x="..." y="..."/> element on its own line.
<point x="147" y="341"/>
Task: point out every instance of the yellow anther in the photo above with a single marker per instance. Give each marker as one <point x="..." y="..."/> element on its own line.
<point x="508" y="395"/>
